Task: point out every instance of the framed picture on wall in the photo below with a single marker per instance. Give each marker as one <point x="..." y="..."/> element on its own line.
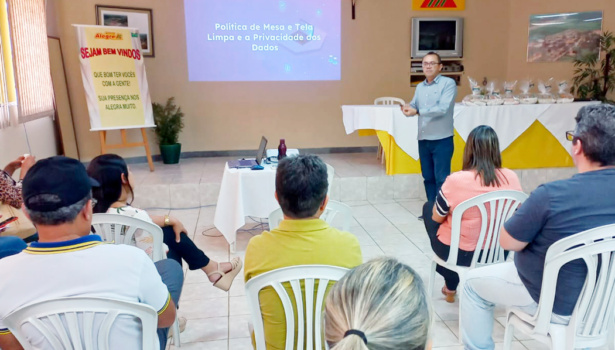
<point x="563" y="37"/>
<point x="132" y="17"/>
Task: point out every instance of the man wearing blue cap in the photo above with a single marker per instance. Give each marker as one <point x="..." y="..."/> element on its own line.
<point x="68" y="262"/>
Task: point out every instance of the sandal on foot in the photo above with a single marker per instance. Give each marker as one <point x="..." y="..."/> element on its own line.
<point x="449" y="294"/>
<point x="227" y="278"/>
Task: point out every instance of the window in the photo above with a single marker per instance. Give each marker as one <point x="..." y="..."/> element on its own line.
<point x="27" y="91"/>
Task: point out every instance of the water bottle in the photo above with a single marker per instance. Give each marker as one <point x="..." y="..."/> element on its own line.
<point x="282" y="150"/>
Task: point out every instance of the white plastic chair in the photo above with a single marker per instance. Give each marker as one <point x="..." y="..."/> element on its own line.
<point x="501" y="205"/>
<point x="120" y="229"/>
<point x="333" y="209"/>
<point x="385" y="101"/>
<point x="388" y="101"/>
<point x="309" y="276"/>
<point x="69" y="323"/>
<point x="330" y="176"/>
<point x="592" y="318"/>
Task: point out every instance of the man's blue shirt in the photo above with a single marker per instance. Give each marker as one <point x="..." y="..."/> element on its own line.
<point x="435" y="102"/>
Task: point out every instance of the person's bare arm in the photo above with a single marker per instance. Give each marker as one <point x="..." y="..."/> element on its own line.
<point x="26" y="164"/>
<point x="509" y="243"/>
<point x="9" y="342"/>
<point x="436" y="217"/>
<point x="13" y="165"/>
<point x="11" y="192"/>
<point x="167" y="317"/>
<point x="178" y="227"/>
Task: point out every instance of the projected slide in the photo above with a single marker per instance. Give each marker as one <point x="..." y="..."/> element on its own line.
<point x="263" y="40"/>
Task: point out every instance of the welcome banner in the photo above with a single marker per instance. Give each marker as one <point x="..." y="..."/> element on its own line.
<point x="114" y="78"/>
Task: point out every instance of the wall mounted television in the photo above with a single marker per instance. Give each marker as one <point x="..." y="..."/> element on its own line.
<point x="438" y="34"/>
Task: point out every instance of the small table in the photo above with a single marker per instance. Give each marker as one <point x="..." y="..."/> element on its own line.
<point x="273" y="152"/>
<point x="245" y="192"/>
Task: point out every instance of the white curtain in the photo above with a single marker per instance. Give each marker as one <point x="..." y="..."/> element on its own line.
<point x="27" y="22"/>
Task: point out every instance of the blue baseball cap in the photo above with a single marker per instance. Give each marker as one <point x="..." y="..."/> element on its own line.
<point x="63" y="179"/>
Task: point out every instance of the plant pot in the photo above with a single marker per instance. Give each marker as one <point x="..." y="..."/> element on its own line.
<point x="170" y="153"/>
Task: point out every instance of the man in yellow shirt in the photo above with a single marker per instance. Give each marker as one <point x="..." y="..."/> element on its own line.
<point x="301" y="239"/>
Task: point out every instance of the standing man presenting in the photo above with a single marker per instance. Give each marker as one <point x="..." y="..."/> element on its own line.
<point x="433" y="103"/>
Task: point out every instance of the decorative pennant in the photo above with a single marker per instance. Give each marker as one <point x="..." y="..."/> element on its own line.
<point x="441" y="5"/>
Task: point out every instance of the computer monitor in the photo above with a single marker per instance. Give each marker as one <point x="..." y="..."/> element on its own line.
<point x="262" y="149"/>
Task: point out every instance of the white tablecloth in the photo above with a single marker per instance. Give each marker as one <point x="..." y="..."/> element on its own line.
<point x="386" y="118"/>
<point x="244" y="192"/>
<point x="289" y="152"/>
<point x="509" y="121"/>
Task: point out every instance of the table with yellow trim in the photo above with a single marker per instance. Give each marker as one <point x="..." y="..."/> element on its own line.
<point x="531" y="136"/>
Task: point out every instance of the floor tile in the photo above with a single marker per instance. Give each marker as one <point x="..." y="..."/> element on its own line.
<point x="208" y="345"/>
<point x="442" y="335"/>
<point x="240" y="344"/>
<point x="204" y="308"/>
<point x="238" y="306"/>
<point x="205" y="329"/>
<point x="197" y="291"/>
<point x="238" y="326"/>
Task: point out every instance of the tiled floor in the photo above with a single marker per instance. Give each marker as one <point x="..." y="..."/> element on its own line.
<point x="218" y="320"/>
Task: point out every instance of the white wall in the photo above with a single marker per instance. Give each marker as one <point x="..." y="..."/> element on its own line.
<point x="40" y="135"/>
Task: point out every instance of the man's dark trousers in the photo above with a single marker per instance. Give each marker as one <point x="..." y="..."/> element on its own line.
<point x="435" y="157"/>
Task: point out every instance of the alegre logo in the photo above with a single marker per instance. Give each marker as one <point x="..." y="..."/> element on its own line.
<point x="421" y="5"/>
<point x="108" y="36"/>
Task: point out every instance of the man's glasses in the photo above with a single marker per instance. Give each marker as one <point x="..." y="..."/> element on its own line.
<point x="570" y="136"/>
<point x="430" y="64"/>
<point x="94" y="201"/>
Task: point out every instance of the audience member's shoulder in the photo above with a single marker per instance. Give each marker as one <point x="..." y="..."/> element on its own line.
<point x="124" y="250"/>
<point x="343" y="235"/>
<point x="260" y="239"/>
<point x="7" y="262"/>
<point x="568" y="183"/>
<point x="461" y="176"/>
<point x="511" y="176"/>
<point x="509" y="173"/>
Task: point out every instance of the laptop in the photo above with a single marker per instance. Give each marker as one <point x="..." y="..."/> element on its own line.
<point x="248" y="163"/>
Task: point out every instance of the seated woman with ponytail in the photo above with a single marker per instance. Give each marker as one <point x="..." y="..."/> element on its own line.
<point x="382" y="305"/>
<point x="115" y="195"/>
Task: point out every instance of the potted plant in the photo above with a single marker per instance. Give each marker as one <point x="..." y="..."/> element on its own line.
<point x="594" y="74"/>
<point x="169" y="122"/>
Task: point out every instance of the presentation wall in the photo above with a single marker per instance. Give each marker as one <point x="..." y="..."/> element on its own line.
<point x="263" y="40"/>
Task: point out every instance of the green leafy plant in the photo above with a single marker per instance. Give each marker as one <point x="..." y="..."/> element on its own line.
<point x="169" y="121"/>
<point x="594" y="74"/>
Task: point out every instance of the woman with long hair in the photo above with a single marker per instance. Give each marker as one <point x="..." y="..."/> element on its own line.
<point x="380" y="305"/>
<point x="115" y="195"/>
<point x="482" y="172"/>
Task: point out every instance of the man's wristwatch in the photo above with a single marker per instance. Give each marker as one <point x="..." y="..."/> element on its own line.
<point x="167" y="221"/>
